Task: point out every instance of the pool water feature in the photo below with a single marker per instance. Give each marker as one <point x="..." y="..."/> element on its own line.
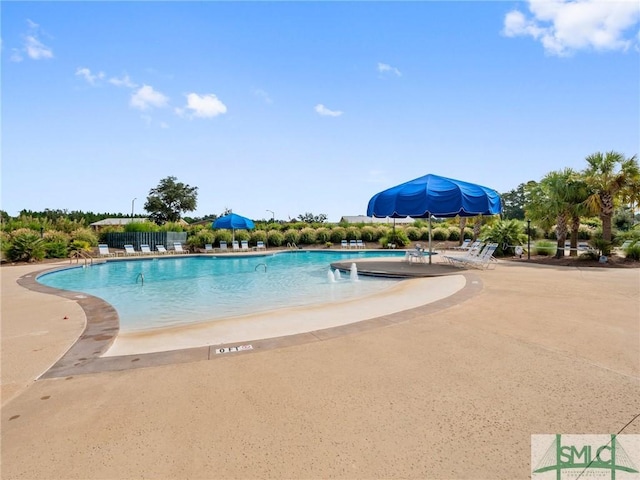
<point x="180" y="290"/>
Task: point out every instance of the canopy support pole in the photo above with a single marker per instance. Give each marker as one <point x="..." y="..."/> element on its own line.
<point x="429" y="239"/>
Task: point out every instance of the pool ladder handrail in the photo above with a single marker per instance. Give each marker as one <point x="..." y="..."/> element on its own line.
<point x="78" y="254"/>
<point x="292" y="245"/>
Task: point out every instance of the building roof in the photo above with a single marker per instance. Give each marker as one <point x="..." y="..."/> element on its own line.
<point x="117" y="221"/>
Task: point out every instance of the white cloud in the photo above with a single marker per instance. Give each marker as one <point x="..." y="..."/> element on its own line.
<point x="258" y="92"/>
<point x="32" y="46"/>
<point x="203" y="106"/>
<point x="146" y="97"/>
<point x="324" y="111"/>
<point x="564" y="27"/>
<point x="88" y="76"/>
<point x="125" y="81"/>
<point x="384" y="68"/>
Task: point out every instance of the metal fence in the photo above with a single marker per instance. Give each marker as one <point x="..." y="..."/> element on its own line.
<point x="119" y="240"/>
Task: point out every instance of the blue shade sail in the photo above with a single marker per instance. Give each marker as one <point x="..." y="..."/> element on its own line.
<point x="436" y="196"/>
<point x="233" y="221"/>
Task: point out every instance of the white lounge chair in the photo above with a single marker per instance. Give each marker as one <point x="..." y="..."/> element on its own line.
<point x="485" y="259"/>
<point x="244" y="245"/>
<point x="415" y="255"/>
<point x="353" y="244"/>
<point x="177" y="247"/>
<point x="223" y="247"/>
<point x="260" y="245"/>
<point x="129" y="250"/>
<point x="235" y="246"/>
<point x="458" y="260"/>
<point x="145" y="249"/>
<point x="360" y="244"/>
<point x="208" y="248"/>
<point x="464" y="246"/>
<point x="161" y="249"/>
<point x="344" y="244"/>
<point x="103" y="251"/>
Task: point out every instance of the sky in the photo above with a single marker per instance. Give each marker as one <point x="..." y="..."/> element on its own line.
<point x="277" y="109"/>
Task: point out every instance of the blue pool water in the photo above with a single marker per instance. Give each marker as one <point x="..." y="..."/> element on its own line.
<point x="179" y="290"/>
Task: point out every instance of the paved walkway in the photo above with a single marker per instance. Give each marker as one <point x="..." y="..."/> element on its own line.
<point x="450" y="394"/>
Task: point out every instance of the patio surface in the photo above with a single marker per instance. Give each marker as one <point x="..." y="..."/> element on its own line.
<point x="447" y="393"/>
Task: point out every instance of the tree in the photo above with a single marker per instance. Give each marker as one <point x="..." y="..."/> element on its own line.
<point x="513" y="202"/>
<point x="609" y="176"/>
<point x="169" y="199"/>
<point x="311" y="218"/>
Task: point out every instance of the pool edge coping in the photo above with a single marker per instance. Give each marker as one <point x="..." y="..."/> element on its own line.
<point x="103" y="324"/>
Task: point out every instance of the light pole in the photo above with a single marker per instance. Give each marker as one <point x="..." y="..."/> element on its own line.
<point x="132" y="202"/>
<point x="528" y="239"/>
<point x="273" y="215"/>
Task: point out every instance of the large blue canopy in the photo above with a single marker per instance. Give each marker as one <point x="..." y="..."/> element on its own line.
<point x="233" y="221"/>
<point x="436" y="196"/>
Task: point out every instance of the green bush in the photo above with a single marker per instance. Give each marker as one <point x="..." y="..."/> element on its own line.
<point x="258" y="235"/>
<point x="141" y="227"/>
<point x="242" y="235"/>
<point x="170" y="227"/>
<point x="440" y="234"/>
<point x="507" y="234"/>
<point x="454" y="234"/>
<point x="413" y="233"/>
<point x="338" y="234"/>
<point x="56" y="249"/>
<point x="633" y="252"/>
<point x="307" y="236"/>
<point x="323" y="235"/>
<point x="26" y="246"/>
<point x="399" y="238"/>
<point x="291" y="236"/>
<point x="544" y="248"/>
<point x="275" y="238"/>
<point x="201" y="238"/>
<point x="368" y="234"/>
<point x="353" y="233"/>
<point x="85" y="235"/>
<point x="223" y="236"/>
<point x="56" y="236"/>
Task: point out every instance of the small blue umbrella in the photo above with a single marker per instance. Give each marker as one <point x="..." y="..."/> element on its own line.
<point x="233" y="222"/>
<point x="436" y="196"/>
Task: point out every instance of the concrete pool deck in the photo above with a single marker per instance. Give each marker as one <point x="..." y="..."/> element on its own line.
<point x="450" y="393"/>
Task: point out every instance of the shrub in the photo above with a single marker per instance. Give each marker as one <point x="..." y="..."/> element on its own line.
<point x="413" y="233"/>
<point x="275" y="238"/>
<point x="56" y="236"/>
<point x="291" y="236"/>
<point x="633" y="252"/>
<point x="338" y="234"/>
<point x="242" y="235"/>
<point x="223" y="236"/>
<point x="56" y="249"/>
<point x="507" y="234"/>
<point x="26" y="246"/>
<point x="258" y="235"/>
<point x="307" y="236"/>
<point x="368" y="234"/>
<point x="454" y="234"/>
<point x="353" y="233"/>
<point x="440" y="234"/>
<point x="201" y="238"/>
<point x="545" y="248"/>
<point x="399" y="238"/>
<point x="169" y="227"/>
<point x="323" y="235"/>
<point x="85" y="235"/>
<point x="141" y="227"/>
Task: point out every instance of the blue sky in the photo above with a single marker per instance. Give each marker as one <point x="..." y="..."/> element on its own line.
<point x="297" y="107"/>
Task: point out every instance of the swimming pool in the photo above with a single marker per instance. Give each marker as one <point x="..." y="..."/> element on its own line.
<point x="156" y="292"/>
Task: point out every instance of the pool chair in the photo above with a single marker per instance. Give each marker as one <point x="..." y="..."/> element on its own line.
<point x="260" y="245"/>
<point x="415" y="255"/>
<point x="208" y="248"/>
<point x="244" y="245"/>
<point x="161" y="249"/>
<point x="223" y="247"/>
<point x="344" y="244"/>
<point x="458" y="260"/>
<point x="353" y="244"/>
<point x="103" y="251"/>
<point x="145" y="249"/>
<point x="360" y="244"/>
<point x="129" y="250"/>
<point x="485" y="259"/>
<point x="464" y="245"/>
<point x="235" y="246"/>
<point x="177" y="247"/>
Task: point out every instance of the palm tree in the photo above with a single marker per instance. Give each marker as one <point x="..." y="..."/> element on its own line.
<point x="609" y="176"/>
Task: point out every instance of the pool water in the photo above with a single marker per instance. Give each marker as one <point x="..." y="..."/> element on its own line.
<point x="162" y="292"/>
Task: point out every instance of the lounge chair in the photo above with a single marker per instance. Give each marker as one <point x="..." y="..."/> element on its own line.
<point x="103" y="251"/>
<point x="208" y="248"/>
<point x="344" y="244"/>
<point x="360" y="244"/>
<point x="464" y="245"/>
<point x="353" y="244"/>
<point x="223" y="247"/>
<point x="244" y="245"/>
<point x="145" y="249"/>
<point x="458" y="260"/>
<point x="129" y="250"/>
<point x="260" y="245"/>
<point x="177" y="247"/>
<point x="235" y="246"/>
<point x="161" y="249"/>
<point x="485" y="259"/>
<point x="416" y="254"/>
<point x="626" y="244"/>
